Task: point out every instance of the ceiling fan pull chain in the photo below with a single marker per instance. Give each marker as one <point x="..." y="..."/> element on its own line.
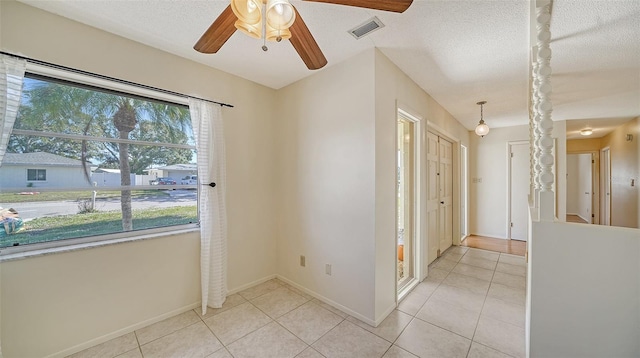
<point x="264" y="28"/>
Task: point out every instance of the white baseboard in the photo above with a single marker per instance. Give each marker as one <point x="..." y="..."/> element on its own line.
<point x="251" y="284"/>
<point x="120" y="332"/>
<point x="335" y="304"/>
<point x="489" y="236"/>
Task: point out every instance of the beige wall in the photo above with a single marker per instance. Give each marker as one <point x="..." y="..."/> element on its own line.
<point x="326" y="162"/>
<point x="250" y="194"/>
<point x="583" y="145"/>
<point x="394" y="90"/>
<point x="624" y="169"/>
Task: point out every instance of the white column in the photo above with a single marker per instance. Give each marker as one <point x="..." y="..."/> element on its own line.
<point x="544" y="109"/>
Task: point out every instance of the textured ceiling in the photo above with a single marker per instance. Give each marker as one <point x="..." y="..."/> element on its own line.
<point x="459" y="51"/>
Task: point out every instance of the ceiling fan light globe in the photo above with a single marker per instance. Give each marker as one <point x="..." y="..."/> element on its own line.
<point x="482" y="129"/>
<point x="254" y="31"/>
<point x="247" y="11"/>
<point x="280" y="14"/>
<point x="274" y="34"/>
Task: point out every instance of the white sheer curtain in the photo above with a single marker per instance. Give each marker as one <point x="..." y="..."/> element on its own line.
<point x="208" y="129"/>
<point x="11" y="76"/>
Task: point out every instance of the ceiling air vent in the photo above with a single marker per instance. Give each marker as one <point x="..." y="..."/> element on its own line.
<point x="368" y="27"/>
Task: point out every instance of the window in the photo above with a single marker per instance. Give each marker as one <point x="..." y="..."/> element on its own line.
<point x="91" y="156"/>
<point x="36" y="174"/>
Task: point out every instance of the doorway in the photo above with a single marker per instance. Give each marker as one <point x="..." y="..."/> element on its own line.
<point x="518" y="190"/>
<point x="406" y="224"/>
<point x="439" y="195"/>
<point x="580" y="188"/>
<point x="464" y="193"/>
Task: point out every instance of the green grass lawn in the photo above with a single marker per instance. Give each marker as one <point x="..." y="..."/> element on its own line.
<point x="98" y="223"/>
<point x="10" y="198"/>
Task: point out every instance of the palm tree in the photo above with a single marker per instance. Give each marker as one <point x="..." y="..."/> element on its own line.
<point x="125" y="121"/>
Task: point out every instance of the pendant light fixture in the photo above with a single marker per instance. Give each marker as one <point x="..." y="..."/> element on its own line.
<point x="482" y="129"/>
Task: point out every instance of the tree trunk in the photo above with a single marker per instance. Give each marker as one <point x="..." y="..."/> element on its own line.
<point x="125" y="179"/>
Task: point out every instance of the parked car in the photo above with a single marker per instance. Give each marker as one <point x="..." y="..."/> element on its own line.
<point x="165" y="181"/>
<point x="189" y="180"/>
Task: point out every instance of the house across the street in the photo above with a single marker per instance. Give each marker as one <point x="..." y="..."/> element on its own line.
<point x="175" y="171"/>
<point x="40" y="170"/>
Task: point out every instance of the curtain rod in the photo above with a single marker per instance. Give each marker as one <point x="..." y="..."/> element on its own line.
<point x="60" y="67"/>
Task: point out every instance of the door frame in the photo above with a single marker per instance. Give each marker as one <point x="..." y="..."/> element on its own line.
<point x="509" y="145"/>
<point x="596" y="200"/>
<point x="455" y="166"/>
<point x="605" y="181"/>
<point x="464" y="191"/>
<point x="417" y="238"/>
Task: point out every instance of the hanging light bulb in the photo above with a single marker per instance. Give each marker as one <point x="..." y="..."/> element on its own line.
<point x="482" y="129"/>
<point x="249" y="17"/>
<point x="280" y="14"/>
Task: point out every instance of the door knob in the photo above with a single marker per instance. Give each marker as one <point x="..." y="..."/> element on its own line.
<point x="442" y="202"/>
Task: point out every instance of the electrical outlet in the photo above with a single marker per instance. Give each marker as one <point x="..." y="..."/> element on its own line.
<point x="327" y="269"/>
<point x="479" y="180"/>
<point x="303" y="260"/>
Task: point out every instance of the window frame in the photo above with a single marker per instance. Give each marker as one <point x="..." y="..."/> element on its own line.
<point x="36" y="170"/>
<point x="65" y="245"/>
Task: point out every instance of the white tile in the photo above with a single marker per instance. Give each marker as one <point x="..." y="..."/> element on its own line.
<point x="298" y="291"/>
<point x="458" y="249"/>
<point x="426" y="287"/>
<point x="269" y="341"/>
<point x="483" y="254"/>
<point x="504" y="311"/>
<point x="512" y="269"/>
<point x="388" y="329"/>
<point x="478" y="262"/>
<point x="452" y="256"/>
<point x="278" y="302"/>
<point x="110" y="348"/>
<point x="501" y="336"/>
<point x="412" y="303"/>
<point x="512" y="259"/>
<point x="261" y="289"/>
<point x="479" y="351"/>
<point x="193" y="341"/>
<point x="450" y="317"/>
<point x="350" y="341"/>
<point x="426" y="340"/>
<point x="135" y="353"/>
<point x="309" y="322"/>
<point x="167" y="326"/>
<point x="230" y="302"/>
<point x="473" y="271"/>
<point x="221" y="353"/>
<point x="329" y="307"/>
<point x="437" y="274"/>
<point x="506" y="279"/>
<point x="507" y="294"/>
<point x="472" y="284"/>
<point x="237" y="322"/>
<point x="459" y="297"/>
<point x="446" y="265"/>
<point x="310" y="353"/>
<point x="397" y="352"/>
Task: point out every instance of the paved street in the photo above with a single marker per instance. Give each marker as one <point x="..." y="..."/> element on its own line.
<point x="28" y="211"/>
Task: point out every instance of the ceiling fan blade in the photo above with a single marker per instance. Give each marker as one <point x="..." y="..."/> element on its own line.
<point x="306" y="45"/>
<point x="385" y="5"/>
<point x="218" y="33"/>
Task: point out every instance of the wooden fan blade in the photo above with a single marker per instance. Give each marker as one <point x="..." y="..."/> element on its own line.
<point x="218" y="33"/>
<point x="306" y="45"/>
<point x="385" y="5"/>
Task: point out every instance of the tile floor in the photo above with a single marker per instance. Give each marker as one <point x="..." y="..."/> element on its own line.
<point x="471" y="305"/>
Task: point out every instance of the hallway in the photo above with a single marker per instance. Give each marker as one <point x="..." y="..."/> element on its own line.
<point x="472" y="305"/>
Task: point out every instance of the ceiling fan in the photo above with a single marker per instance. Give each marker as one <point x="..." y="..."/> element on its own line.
<point x="275" y="20"/>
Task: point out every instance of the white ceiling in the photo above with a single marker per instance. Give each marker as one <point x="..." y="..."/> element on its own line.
<point x="459" y="51"/>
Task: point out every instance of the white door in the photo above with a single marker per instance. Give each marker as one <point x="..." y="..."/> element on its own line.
<point x="445" y="229"/>
<point x="518" y="190"/>
<point x="433" y="200"/>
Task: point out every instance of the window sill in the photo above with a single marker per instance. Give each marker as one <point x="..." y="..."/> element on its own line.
<point x="10" y="253"/>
